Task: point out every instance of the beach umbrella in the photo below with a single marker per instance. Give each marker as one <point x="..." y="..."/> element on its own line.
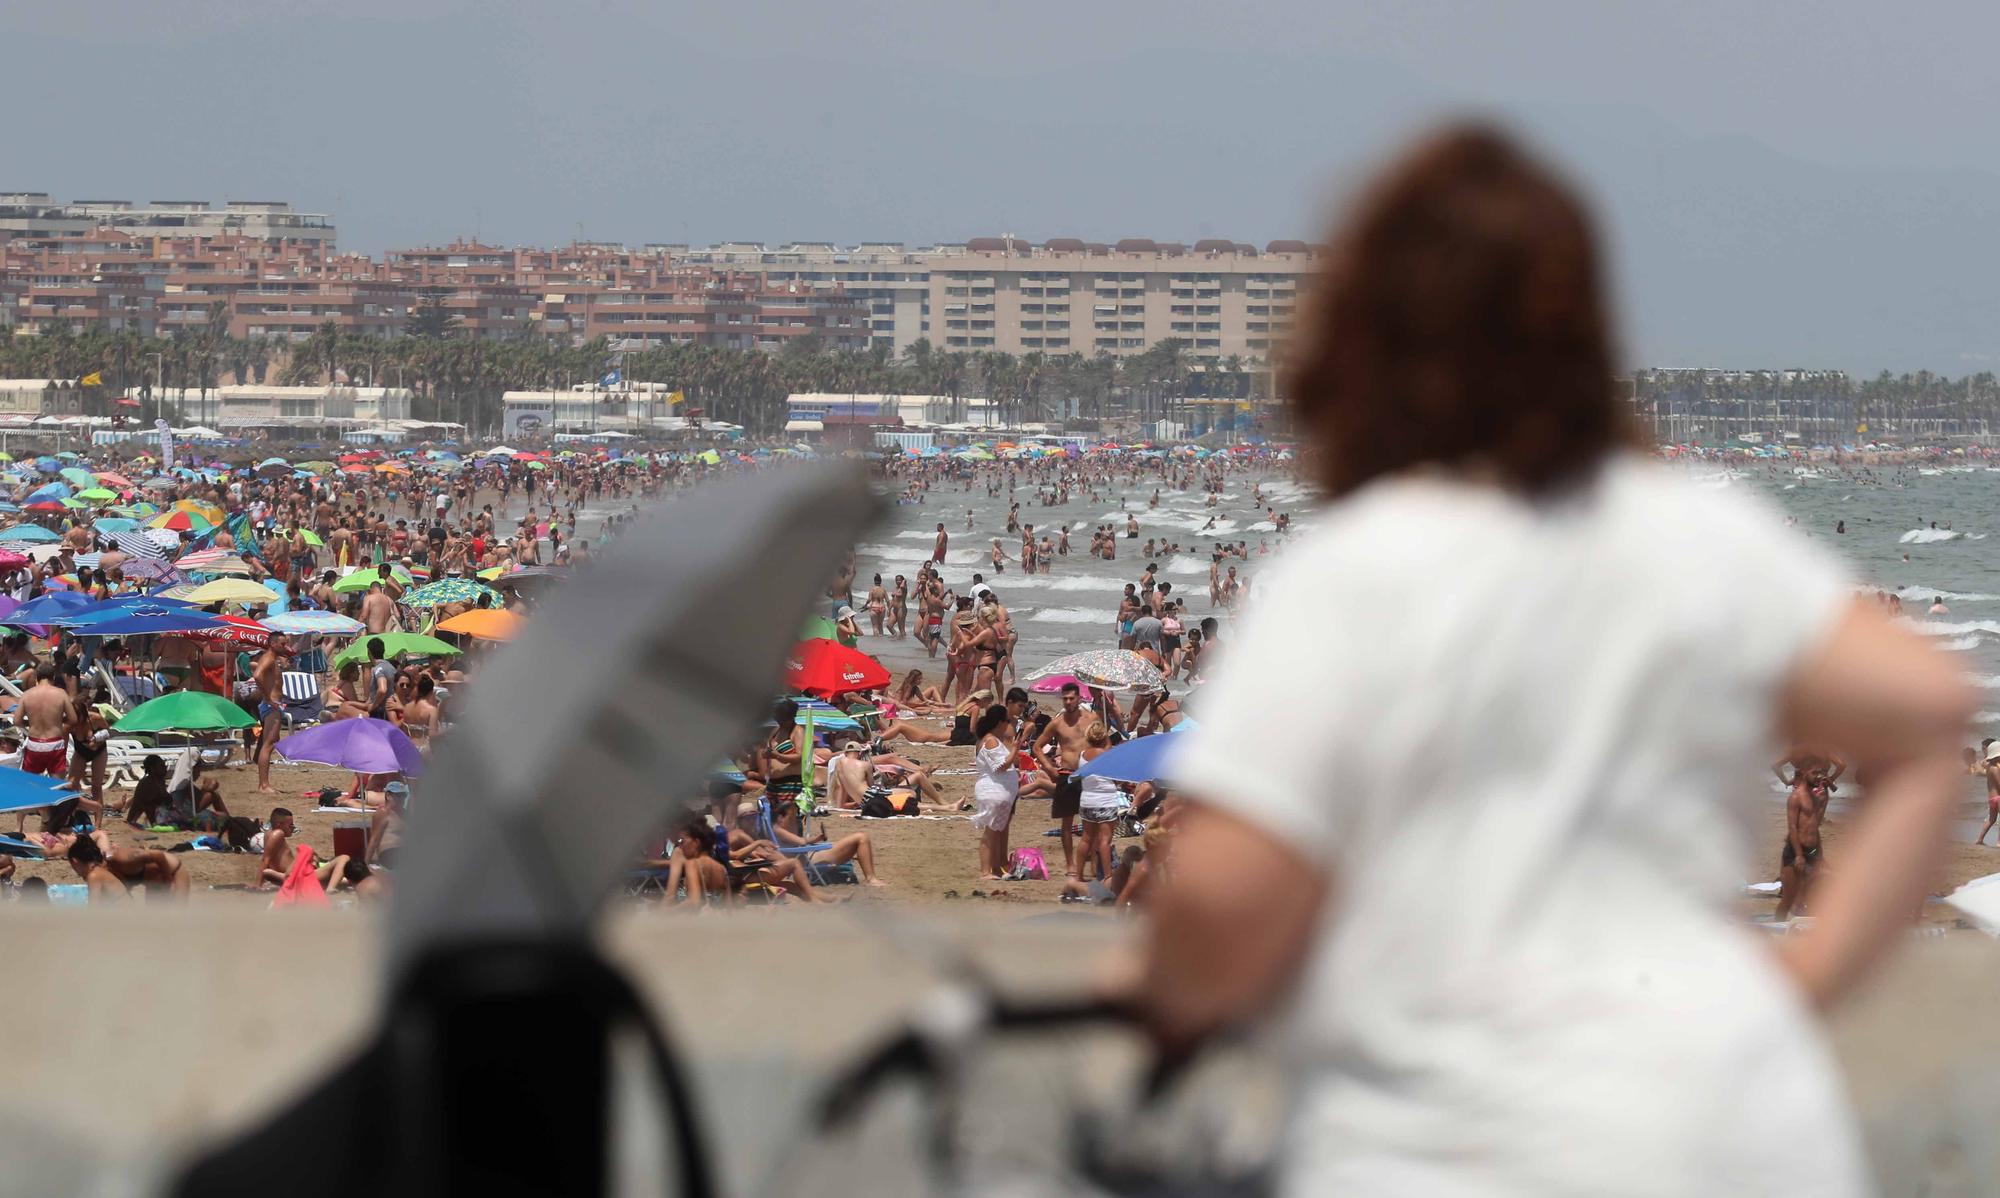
<point x="96" y="495"/>
<point x="77" y="476"/>
<point x="1053" y="684"/>
<point x="47" y="465"/>
<point x="180" y="521"/>
<point x="44" y="608"/>
<point x="1142" y="759"/>
<point x="448" y="590"/>
<point x="22" y="791"/>
<point x="112" y="479"/>
<point x="195" y="507"/>
<point x="831" y="668"/>
<point x="396" y="644"/>
<point x="236" y="630"/>
<point x="212" y="561"/>
<point x="10" y="560"/>
<point x="32" y="534"/>
<point x="159" y="484"/>
<point x="148" y="621"/>
<point x="50" y="491"/>
<point x="1113" y="669"/>
<point x="116" y="524"/>
<point x="155" y="570"/>
<point x="364" y="745"/>
<point x="184" y="711"/>
<point x="485" y="623"/>
<point x="313" y="623"/>
<point x="274" y="466"/>
<point x="228" y="590"/>
<point x="818" y="628"/>
<point x="361" y="580"/>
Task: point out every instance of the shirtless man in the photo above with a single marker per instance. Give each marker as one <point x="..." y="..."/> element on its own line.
<point x="268" y="675"/>
<point x="377" y="612"/>
<point x="1811" y="785"/>
<point x="107" y="876"/>
<point x="1066" y="735"/>
<point x="280" y="854"/>
<point x="45" y="713"/>
<point x="943" y="538"/>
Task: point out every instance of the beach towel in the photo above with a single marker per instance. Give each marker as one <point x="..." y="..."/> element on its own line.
<point x="301" y="888"/>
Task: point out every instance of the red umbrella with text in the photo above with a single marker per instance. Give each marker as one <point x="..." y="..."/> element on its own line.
<point x="824" y="667"/>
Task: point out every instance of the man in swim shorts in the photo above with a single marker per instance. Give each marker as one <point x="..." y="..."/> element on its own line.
<point x="1066" y="735"/>
<point x="45" y="713"/>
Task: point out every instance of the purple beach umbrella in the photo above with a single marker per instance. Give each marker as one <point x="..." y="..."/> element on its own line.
<point x="364" y="745"/>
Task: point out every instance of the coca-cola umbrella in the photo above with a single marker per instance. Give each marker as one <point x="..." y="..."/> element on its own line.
<point x="824" y="667"/>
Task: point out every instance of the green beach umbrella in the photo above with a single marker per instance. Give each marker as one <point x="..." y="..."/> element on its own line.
<point x="77" y="475"/>
<point x="818" y="628"/>
<point x="360" y="580"/>
<point x="395" y="644"/>
<point x="96" y="495"/>
<point x="184" y="711"/>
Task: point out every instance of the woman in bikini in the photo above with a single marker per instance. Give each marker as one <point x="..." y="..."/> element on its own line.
<point x="878" y="605"/>
<point x="913" y="694"/>
<point x="89" y="737"/>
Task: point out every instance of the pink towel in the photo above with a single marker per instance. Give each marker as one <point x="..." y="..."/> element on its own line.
<point x="302" y="888"/>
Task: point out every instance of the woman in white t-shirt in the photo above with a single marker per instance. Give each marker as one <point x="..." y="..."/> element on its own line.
<point x="1489" y="841"/>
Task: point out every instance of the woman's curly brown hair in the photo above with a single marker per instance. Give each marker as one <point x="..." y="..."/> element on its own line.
<point x="1461" y="323"/>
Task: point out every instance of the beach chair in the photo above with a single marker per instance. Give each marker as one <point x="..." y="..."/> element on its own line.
<point x="819" y="875"/>
<point x="302" y="699"/>
<point x="125" y="758"/>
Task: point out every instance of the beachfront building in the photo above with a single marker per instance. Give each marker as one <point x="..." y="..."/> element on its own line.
<point x="238" y="407"/>
<point x="37" y="214"/>
<point x="892" y="281"/>
<point x="633" y="408"/>
<point x="1065" y="296"/>
<point x="40" y="397"/>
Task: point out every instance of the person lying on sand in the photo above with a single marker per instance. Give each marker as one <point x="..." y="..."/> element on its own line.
<point x="109" y="875"/>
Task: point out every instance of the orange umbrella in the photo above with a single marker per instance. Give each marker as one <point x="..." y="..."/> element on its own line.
<point x="486" y="623"/>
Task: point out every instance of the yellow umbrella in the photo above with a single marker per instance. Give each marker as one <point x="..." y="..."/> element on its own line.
<point x="486" y="623"/>
<point x="230" y="590"/>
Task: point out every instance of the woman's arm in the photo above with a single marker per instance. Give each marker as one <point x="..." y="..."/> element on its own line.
<point x="1201" y="972"/>
<point x="1897" y="709"/>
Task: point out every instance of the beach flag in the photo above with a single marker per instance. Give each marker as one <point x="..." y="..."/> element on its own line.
<point x="611" y="378"/>
<point x="94" y="379"/>
<point x="676" y="397"/>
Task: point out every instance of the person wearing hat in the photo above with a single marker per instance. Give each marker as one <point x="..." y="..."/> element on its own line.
<point x="1989" y="761"/>
<point x="845" y="628"/>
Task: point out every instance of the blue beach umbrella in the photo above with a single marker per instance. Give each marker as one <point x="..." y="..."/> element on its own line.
<point x="23" y="791"/>
<point x="31" y="534"/>
<point x="1146" y="759"/>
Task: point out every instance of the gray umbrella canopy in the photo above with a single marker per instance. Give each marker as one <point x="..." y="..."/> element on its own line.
<point x="616" y="699"/>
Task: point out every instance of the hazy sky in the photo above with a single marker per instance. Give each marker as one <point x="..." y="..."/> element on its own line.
<point x="1783" y="184"/>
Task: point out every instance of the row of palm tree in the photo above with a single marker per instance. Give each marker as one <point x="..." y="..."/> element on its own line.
<point x="460" y="378"/>
<point x="1821" y="407"/>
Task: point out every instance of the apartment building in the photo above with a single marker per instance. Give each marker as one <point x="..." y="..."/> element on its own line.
<point x="892" y="281"/>
<point x="36" y="214"/>
<point x="1072" y="297"/>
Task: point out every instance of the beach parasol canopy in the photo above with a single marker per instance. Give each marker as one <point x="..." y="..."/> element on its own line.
<point x="361" y="580"/>
<point x="1143" y="759"/>
<point x="365" y="745"/>
<point x="228" y="590"/>
<point x="448" y="590"/>
<point x="396" y="644"/>
<point x="313" y="623"/>
<point x="22" y="791"/>
<point x="818" y="628"/>
<point x="1113" y="669"/>
<point x="33" y="534"/>
<point x="212" y="561"/>
<point x="1053" y="684"/>
<point x="830" y="668"/>
<point x="184" y="711"/>
<point x="485" y="623"/>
